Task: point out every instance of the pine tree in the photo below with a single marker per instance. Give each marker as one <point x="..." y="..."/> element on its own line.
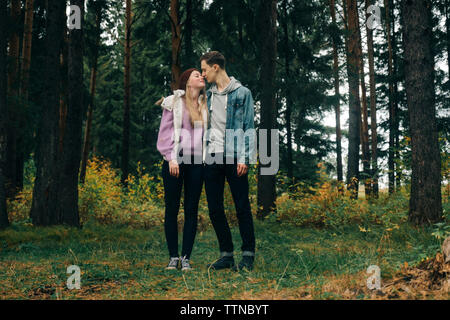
<point x="3" y="113"/>
<point x="425" y="199"/>
<point x="267" y="18"/>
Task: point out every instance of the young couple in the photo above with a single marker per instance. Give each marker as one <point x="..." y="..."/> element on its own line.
<point x="194" y="144"/>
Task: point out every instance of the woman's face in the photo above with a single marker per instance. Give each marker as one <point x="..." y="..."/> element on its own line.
<point x="196" y="80"/>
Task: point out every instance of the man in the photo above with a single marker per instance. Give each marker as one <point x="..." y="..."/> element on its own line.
<point x="231" y="111"/>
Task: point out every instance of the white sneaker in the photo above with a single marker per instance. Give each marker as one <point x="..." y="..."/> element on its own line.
<point x="173" y="264"/>
<point x="185" y="265"/>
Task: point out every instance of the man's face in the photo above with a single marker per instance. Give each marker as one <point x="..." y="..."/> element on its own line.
<point x="208" y="72"/>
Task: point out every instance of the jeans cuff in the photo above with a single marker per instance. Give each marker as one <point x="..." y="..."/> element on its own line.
<point x="226" y="254"/>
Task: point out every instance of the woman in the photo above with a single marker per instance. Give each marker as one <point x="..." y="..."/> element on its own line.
<point x="181" y="143"/>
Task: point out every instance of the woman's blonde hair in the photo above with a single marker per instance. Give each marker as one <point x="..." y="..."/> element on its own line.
<point x="195" y="113"/>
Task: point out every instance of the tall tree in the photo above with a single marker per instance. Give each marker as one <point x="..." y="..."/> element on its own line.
<point x="93" y="82"/>
<point x="3" y="112"/>
<point x="287" y="62"/>
<point x="364" y="117"/>
<point x="392" y="115"/>
<point x="337" y="107"/>
<point x="26" y="48"/>
<point x="373" y="107"/>
<point x="353" y="62"/>
<point x="13" y="90"/>
<point x="127" y="95"/>
<point x="398" y="167"/>
<point x="188" y="25"/>
<point x="45" y="192"/>
<point x="176" y="42"/>
<point x="425" y="199"/>
<point x="71" y="151"/>
<point x="268" y="49"/>
<point x="24" y="81"/>
<point x="447" y="26"/>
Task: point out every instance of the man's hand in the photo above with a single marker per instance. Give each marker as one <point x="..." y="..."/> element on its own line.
<point x="174" y="168"/>
<point x="241" y="169"/>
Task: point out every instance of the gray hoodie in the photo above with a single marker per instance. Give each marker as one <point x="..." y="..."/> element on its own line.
<point x="219" y="115"/>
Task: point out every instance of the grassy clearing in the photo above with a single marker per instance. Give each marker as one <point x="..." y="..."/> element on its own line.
<point x="125" y="263"/>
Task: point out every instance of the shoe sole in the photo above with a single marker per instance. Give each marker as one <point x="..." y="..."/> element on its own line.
<point x="171" y="268"/>
<point x="222" y="268"/>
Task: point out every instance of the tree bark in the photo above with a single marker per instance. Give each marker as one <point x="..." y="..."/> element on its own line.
<point x="87" y="133"/>
<point x="24" y="80"/>
<point x="392" y="115"/>
<point x="127" y="96"/>
<point x="364" y="119"/>
<point x="26" y="48"/>
<point x="373" y="107"/>
<point x="425" y="199"/>
<point x="398" y="168"/>
<point x="45" y="191"/>
<point x="447" y="26"/>
<point x="71" y="151"/>
<point x="13" y="105"/>
<point x="353" y="62"/>
<point x="337" y="96"/>
<point x="268" y="19"/>
<point x="63" y="97"/>
<point x="190" y="61"/>
<point x="287" y="61"/>
<point x="3" y="112"/>
<point x="176" y="42"/>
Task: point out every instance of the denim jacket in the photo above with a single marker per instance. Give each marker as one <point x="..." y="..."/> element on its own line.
<point x="240" y="134"/>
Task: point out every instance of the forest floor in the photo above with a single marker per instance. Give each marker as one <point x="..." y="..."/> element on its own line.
<point x="118" y="262"/>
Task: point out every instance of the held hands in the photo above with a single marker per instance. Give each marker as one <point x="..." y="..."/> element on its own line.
<point x="241" y="169"/>
<point x="174" y="168"/>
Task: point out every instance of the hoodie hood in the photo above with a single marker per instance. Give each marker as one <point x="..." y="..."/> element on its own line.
<point x="233" y="85"/>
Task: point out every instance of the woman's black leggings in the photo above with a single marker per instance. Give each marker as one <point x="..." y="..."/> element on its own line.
<point x="192" y="175"/>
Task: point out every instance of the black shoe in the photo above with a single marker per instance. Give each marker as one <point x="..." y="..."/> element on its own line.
<point x="247" y="263"/>
<point x="222" y="263"/>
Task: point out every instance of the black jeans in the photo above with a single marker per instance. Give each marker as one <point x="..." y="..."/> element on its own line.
<point x="215" y="175"/>
<point x="192" y="175"/>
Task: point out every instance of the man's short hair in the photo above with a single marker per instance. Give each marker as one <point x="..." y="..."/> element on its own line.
<point x="214" y="57"/>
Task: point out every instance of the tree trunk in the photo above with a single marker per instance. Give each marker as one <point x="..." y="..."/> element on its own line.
<point x="24" y="80"/>
<point x="353" y="62"/>
<point x="337" y="96"/>
<point x="3" y="113"/>
<point x="45" y="192"/>
<point x="447" y="26"/>
<point x="71" y="155"/>
<point x="13" y="93"/>
<point x="26" y="48"/>
<point x="398" y="168"/>
<point x="127" y="96"/>
<point x="425" y="199"/>
<point x="373" y="107"/>
<point x="176" y="42"/>
<point x="87" y="132"/>
<point x="364" y="118"/>
<point x="63" y="97"/>
<point x="190" y="60"/>
<point x="287" y="61"/>
<point x="392" y="115"/>
<point x="268" y="19"/>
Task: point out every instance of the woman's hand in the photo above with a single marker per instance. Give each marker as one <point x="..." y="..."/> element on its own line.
<point x="174" y="168"/>
<point x="241" y="169"/>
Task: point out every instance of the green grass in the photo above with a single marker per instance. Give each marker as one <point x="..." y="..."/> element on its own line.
<point x="125" y="263"/>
